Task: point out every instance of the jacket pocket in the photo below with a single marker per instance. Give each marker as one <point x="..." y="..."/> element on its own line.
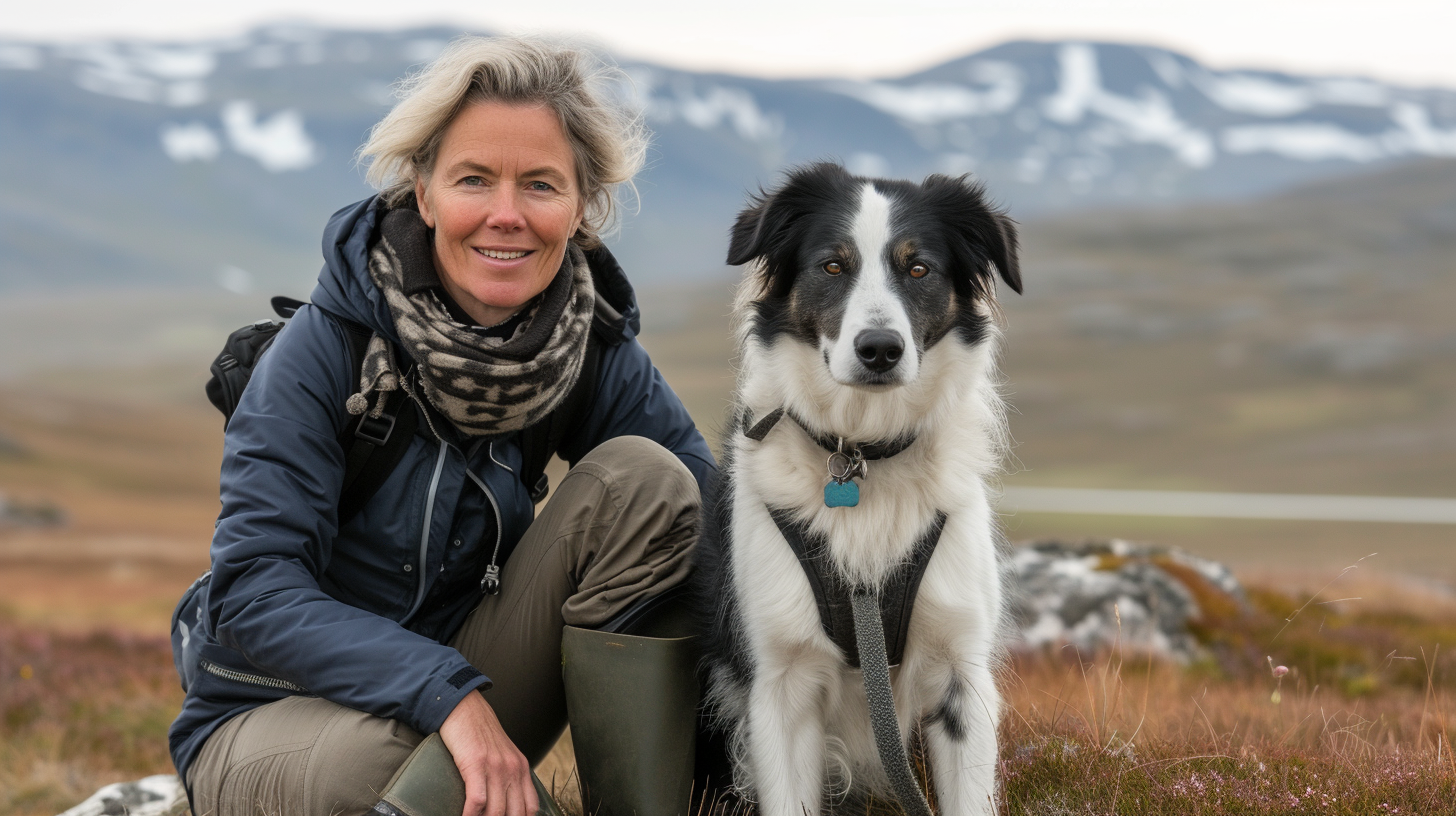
<point x="187" y="629"/>
<point x="224" y="675"/>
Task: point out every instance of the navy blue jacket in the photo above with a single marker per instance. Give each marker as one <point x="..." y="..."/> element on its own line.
<point x="297" y="605"/>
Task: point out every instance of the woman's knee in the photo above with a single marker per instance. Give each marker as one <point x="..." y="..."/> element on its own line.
<point x="299" y="755"/>
<point x="638" y="469"/>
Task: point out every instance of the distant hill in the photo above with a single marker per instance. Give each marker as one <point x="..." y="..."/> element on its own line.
<point x="1301" y="342"/>
<point x="215" y="163"/>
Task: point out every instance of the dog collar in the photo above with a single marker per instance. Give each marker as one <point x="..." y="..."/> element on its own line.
<point x="847" y="460"/>
<point x="868" y="451"/>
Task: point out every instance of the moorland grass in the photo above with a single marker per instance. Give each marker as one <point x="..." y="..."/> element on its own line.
<point x="1363" y="723"/>
<point x="78" y="712"/>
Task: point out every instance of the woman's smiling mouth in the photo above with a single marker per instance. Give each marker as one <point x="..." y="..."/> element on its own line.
<point x="504" y="255"/>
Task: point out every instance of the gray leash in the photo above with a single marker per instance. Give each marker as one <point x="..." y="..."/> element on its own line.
<point x="869" y="635"/>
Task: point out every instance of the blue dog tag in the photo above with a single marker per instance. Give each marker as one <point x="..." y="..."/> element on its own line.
<point x="838" y="494"/>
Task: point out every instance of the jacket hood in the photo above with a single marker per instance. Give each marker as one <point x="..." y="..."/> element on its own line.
<point x="345" y="289"/>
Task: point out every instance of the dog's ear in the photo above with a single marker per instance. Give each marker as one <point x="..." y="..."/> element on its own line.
<point x="1005" y="251"/>
<point x="754" y="228"/>
<point x="766" y="228"/>
<point x="986" y="229"/>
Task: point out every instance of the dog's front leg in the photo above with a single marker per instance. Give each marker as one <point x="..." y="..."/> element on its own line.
<point x="961" y="738"/>
<point x="786" y="742"/>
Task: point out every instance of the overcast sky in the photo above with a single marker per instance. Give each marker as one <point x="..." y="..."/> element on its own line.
<point x="1406" y="41"/>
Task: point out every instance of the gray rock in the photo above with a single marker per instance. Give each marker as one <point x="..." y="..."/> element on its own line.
<point x="29" y="514"/>
<point x="1096" y="595"/>
<point x="160" y="795"/>
<point x="10" y="448"/>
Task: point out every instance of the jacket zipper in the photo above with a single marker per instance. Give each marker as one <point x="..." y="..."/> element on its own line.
<point x="425" y="532"/>
<point x="255" y="679"/>
<point x="490" y="584"/>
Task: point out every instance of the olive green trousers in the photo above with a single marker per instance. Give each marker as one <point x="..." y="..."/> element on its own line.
<point x="618" y="529"/>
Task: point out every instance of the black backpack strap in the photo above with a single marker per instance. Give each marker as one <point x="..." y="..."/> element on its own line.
<point x="541" y="441"/>
<point x="372" y="446"/>
<point x="286" y="307"/>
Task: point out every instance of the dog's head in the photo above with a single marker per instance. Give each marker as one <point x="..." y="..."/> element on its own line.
<point x="872" y="272"/>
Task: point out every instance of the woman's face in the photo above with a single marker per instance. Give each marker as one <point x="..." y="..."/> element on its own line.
<point x="503" y="202"/>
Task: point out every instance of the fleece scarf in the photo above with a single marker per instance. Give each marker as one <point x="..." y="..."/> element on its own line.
<point x="485" y="386"/>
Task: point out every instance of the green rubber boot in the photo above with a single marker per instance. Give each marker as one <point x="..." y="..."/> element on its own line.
<point x="632" y="702"/>
<point x="429" y="784"/>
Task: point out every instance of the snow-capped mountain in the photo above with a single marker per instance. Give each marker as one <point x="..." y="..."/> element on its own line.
<point x="217" y="162"/>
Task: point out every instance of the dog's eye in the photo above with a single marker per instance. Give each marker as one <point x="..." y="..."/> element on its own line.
<point x="833" y="268"/>
<point x="919" y="271"/>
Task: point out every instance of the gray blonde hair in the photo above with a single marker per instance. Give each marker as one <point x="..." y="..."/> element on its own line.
<point x="608" y="142"/>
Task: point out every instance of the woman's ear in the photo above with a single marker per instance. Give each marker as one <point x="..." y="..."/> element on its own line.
<point x="423" y="202"/>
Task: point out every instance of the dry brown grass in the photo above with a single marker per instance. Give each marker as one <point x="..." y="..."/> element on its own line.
<point x="78" y="711"/>
<point x="1363" y="724"/>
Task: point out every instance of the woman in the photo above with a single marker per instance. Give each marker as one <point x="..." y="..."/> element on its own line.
<point x="329" y="649"/>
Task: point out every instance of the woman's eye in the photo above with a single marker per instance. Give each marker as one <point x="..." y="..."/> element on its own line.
<point x="541" y="187"/>
<point x="472" y="181"/>
<point x="919" y="270"/>
<point x="833" y="268"/>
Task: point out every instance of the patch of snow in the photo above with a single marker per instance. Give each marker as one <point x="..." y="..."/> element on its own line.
<point x="1261" y="96"/>
<point x="20" y="57"/>
<point x="235" y="279"/>
<point x="933" y="103"/>
<point x="704" y="110"/>
<point x="175" y="63"/>
<point x="868" y="164"/>
<point x="1149" y="120"/>
<point x="1255" y="95"/>
<point x="105" y="71"/>
<point x="1360" y="93"/>
<point x="193" y="141"/>
<point x="422" y="50"/>
<point x="1417" y="134"/>
<point x="279" y="144"/>
<point x="1304" y="141"/>
<point x="1166" y="66"/>
<point x="185" y="94"/>
<point x="120" y="84"/>
<point x="735" y="105"/>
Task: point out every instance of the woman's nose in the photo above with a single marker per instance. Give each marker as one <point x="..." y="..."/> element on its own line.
<point x="505" y="211"/>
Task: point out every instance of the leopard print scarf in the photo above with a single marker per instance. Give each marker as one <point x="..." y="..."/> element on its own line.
<point x="485" y="386"/>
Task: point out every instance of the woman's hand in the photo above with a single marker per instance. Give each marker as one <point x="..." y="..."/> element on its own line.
<point x="497" y="775"/>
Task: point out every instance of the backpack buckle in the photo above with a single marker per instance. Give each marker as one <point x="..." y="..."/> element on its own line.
<point x="375" y="430"/>
<point x="541" y="488"/>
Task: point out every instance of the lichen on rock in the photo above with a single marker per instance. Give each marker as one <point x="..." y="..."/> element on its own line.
<point x="1099" y="595"/>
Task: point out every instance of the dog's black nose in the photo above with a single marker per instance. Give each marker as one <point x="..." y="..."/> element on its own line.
<point x="879" y="349"/>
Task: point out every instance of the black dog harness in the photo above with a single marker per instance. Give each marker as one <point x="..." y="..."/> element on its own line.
<point x="860" y="621"/>
<point x="831" y="591"/>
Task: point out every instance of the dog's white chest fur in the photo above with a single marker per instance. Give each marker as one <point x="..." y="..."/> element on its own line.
<point x="844" y="325"/>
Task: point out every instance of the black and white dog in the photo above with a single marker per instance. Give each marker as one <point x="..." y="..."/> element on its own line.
<point x="867" y="333"/>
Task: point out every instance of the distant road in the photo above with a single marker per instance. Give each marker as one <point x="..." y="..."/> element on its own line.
<point x="1228" y="505"/>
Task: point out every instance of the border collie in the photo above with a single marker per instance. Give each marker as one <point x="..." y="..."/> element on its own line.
<point x="867" y="335"/>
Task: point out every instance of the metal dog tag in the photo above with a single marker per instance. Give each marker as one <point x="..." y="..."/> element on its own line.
<point x="841" y="491"/>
